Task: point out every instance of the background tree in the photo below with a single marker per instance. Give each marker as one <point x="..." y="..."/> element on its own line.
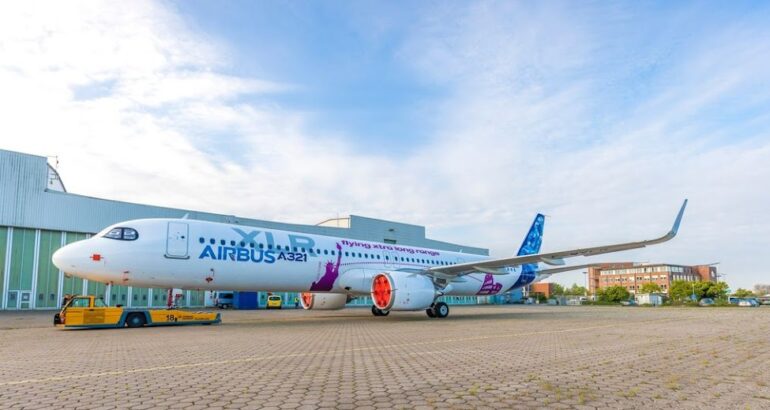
<point x="702" y="289"/>
<point x="681" y="290"/>
<point x="558" y="290"/>
<point x="576" y="290"/>
<point x="743" y="293"/>
<point x="717" y="290"/>
<point x="650" y="288"/>
<point x="613" y="294"/>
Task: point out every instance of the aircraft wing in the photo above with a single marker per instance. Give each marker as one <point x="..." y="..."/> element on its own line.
<point x="493" y="266"/>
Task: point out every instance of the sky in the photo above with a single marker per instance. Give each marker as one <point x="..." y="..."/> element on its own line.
<point x="465" y="117"/>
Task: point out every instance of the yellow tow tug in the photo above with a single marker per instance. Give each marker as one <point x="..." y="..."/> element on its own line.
<point x="91" y="312"/>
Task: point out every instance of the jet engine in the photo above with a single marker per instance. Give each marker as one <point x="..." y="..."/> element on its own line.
<point x="323" y="301"/>
<point x="395" y="290"/>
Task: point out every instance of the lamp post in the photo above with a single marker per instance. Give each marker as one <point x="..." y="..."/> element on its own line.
<point x="693" y="292"/>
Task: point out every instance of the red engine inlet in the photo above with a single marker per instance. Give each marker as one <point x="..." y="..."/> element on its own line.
<point x="382" y="291"/>
<point x="307" y="299"/>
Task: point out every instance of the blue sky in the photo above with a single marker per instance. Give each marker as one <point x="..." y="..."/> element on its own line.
<point x="341" y="60"/>
<point x="466" y="117"/>
<point x="348" y="66"/>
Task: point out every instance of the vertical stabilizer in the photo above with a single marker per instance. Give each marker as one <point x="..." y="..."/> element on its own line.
<point x="530" y="246"/>
<point x="534" y="239"/>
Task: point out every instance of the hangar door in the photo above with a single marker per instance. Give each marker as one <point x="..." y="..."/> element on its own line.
<point x="176" y="241"/>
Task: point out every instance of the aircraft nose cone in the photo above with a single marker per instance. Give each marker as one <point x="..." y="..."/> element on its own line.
<point x="63" y="259"/>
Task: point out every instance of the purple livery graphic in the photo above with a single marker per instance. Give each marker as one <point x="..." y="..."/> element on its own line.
<point x="326" y="282"/>
<point x="489" y="287"/>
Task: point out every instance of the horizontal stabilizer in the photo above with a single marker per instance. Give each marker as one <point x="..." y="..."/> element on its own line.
<point x="550" y="272"/>
<point x="553" y="261"/>
<point x="546" y="273"/>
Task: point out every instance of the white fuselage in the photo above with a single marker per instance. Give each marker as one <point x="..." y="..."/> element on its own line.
<point x="192" y="254"/>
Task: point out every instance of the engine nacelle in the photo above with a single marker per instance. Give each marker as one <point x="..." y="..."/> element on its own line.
<point x="394" y="290"/>
<point x="323" y="301"/>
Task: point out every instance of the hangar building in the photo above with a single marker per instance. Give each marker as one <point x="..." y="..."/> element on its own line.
<point x="38" y="216"/>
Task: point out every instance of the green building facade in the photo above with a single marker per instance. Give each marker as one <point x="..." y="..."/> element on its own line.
<point x="29" y="280"/>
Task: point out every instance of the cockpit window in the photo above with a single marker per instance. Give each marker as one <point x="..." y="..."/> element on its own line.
<point x="116" y="233"/>
<point x="130" y="234"/>
<point x="123" y="234"/>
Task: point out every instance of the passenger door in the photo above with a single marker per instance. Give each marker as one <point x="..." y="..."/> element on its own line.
<point x="176" y="241"/>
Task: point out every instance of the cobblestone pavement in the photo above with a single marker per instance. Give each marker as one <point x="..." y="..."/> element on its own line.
<point x="479" y="357"/>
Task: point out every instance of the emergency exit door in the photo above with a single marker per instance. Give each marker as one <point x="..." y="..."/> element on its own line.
<point x="177" y="240"/>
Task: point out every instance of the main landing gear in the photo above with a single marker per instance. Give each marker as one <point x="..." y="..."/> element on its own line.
<point x="379" y="312"/>
<point x="439" y="310"/>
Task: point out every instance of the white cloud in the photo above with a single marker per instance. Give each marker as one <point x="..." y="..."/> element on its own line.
<point x="523" y="125"/>
<point x="140" y="107"/>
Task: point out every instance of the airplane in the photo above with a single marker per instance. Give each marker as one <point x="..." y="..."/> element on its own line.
<point x="327" y="271"/>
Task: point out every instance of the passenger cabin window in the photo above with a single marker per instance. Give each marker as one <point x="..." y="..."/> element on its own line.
<point x="122" y="234"/>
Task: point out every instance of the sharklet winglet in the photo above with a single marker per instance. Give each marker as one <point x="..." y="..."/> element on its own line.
<point x="675" y="228"/>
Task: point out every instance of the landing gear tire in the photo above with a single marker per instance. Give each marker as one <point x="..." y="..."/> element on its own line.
<point x="440" y="310"/>
<point x="430" y="312"/>
<point x="379" y="312"/>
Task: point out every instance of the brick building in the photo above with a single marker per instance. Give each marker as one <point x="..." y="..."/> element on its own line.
<point x="544" y="288"/>
<point x="633" y="276"/>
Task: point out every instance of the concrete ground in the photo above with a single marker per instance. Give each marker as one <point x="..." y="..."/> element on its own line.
<point x="479" y="357"/>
